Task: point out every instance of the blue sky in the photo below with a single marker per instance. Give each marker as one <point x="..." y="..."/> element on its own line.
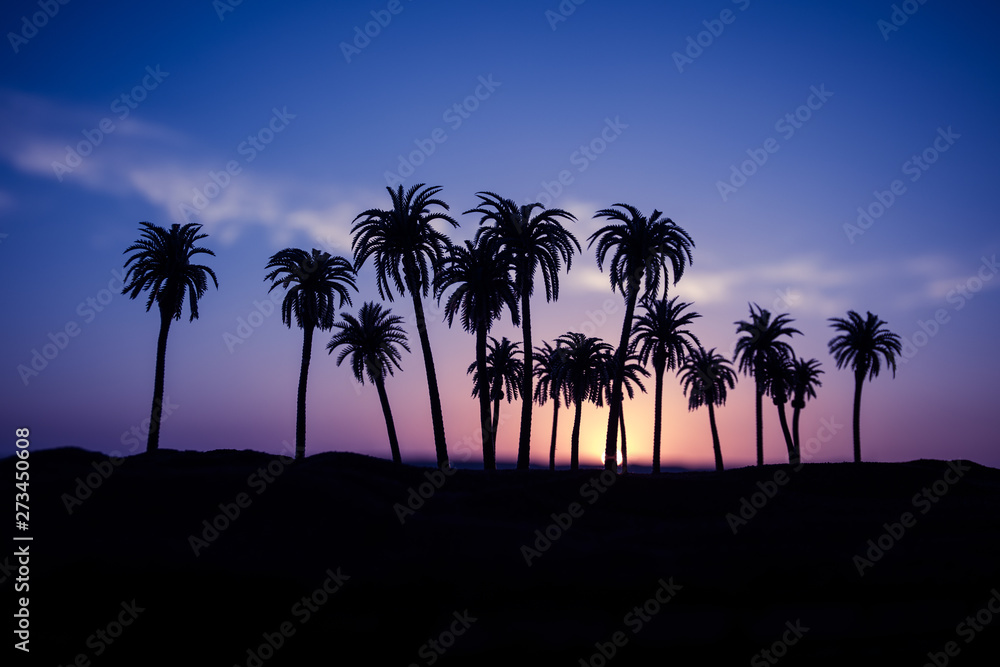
<point x="289" y="124"/>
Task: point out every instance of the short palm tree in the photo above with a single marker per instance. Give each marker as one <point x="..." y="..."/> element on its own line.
<point x="660" y="332"/>
<point x="527" y="243"/>
<point x="584" y="371"/>
<point x="761" y="340"/>
<point x="705" y="377"/>
<point x="863" y="344"/>
<point x="631" y="380"/>
<point x="546" y="370"/>
<point x="504" y="376"/>
<point x="778" y="372"/>
<point x="162" y="265"/>
<point x="483" y="288"/>
<point x="312" y="282"/>
<point x="407" y="249"/>
<point x="805" y="379"/>
<point x="372" y="340"/>
<point x="644" y="251"/>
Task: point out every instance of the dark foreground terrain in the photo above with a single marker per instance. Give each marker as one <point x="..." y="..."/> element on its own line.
<point x="148" y="563"/>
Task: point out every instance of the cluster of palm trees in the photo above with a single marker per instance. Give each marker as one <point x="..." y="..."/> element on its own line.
<point x="495" y="272"/>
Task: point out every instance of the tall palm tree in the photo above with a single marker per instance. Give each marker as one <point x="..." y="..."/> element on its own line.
<point x="631" y="379"/>
<point x="805" y="379"/>
<point x="311" y="281"/>
<point x="660" y="333"/>
<point x="483" y="287"/>
<point x="863" y="345"/>
<point x="504" y="376"/>
<point x="527" y="242"/>
<point x="162" y="265"/>
<point x="642" y="251"/>
<point x="584" y="370"/>
<point x="705" y="377"/>
<point x="372" y="340"/>
<point x="761" y="340"/>
<point x="406" y="249"/>
<point x="546" y="369"/>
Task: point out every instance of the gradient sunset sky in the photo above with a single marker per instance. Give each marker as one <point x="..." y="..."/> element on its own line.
<point x="844" y="106"/>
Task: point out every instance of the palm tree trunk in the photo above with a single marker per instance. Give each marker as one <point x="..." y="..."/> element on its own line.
<point x="621" y="417"/>
<point x="496" y="424"/>
<point x="759" y="412"/>
<point x="489" y="451"/>
<point x="788" y="436"/>
<point x="555" y="423"/>
<point x="657" y="420"/>
<point x="715" y="438"/>
<point x="300" y="408"/>
<point x="524" y="441"/>
<point x="390" y="425"/>
<point x="859" y="382"/>
<point x="795" y="433"/>
<point x="437" y="416"/>
<point x="610" y="447"/>
<point x="574" y="452"/>
<point x="153" y="441"/>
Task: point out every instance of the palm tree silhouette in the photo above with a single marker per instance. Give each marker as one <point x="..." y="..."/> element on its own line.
<point x="162" y="265"/>
<point x="752" y="352"/>
<point x="778" y="372"/>
<point x="483" y="288"/>
<point x="584" y="370"/>
<point x="527" y="243"/>
<point x="642" y="250"/>
<point x="862" y="345"/>
<point x="372" y="340"/>
<point x="406" y="249"/>
<point x="311" y="281"/>
<point x="546" y="369"/>
<point x="705" y="377"/>
<point x="805" y="379"/>
<point x="660" y="333"/>
<point x="630" y="380"/>
<point x="504" y="375"/>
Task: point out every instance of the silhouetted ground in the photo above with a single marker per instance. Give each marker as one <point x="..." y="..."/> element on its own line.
<point x="459" y="557"/>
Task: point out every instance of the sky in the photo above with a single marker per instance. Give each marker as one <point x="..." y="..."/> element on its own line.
<point x="824" y="157"/>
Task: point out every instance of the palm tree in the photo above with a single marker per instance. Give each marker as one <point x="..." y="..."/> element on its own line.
<point x="752" y="352"/>
<point x="372" y="340"/>
<point x="862" y="345"/>
<point x="311" y="281"/>
<point x="805" y="379"/>
<point x="527" y="243"/>
<point x="483" y="288"/>
<point x="504" y="375"/>
<point x="778" y="372"/>
<point x="406" y="248"/>
<point x="584" y="370"/>
<point x="643" y="249"/>
<point x="162" y="265"/>
<point x="630" y="380"/>
<point x="546" y="369"/>
<point x="660" y="333"/>
<point x="705" y="377"/>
